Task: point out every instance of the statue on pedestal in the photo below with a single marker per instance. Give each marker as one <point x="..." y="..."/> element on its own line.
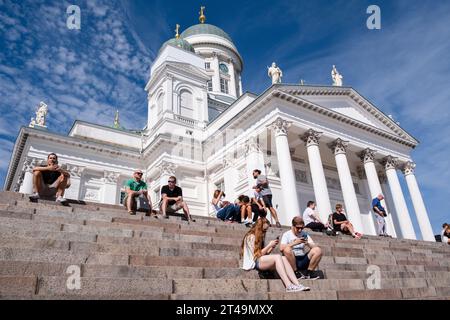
<point x="337" y="77"/>
<point x="41" y="115"/>
<point x="275" y="73"/>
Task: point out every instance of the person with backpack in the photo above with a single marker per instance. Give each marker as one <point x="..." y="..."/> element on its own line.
<point x="380" y="214"/>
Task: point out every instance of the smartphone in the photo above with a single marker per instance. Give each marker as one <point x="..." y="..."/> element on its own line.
<point x="278" y="238"/>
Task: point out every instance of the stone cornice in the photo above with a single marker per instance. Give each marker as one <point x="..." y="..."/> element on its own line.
<point x="170" y="67"/>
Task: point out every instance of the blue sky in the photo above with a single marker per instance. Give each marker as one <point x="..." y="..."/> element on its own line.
<point x="87" y="74"/>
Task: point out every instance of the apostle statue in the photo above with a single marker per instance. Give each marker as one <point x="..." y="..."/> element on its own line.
<point x="337" y="77"/>
<point x="275" y="73"/>
<point x="41" y="114"/>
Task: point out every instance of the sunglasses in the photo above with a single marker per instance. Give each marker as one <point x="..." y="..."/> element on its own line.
<point x="299" y="228"/>
<point x="138" y="173"/>
<point x="171" y="181"/>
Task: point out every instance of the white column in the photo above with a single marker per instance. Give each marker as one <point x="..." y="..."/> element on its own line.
<point x="406" y="226"/>
<point x="318" y="176"/>
<point x="348" y="190"/>
<point x="287" y="177"/>
<point x="418" y="203"/>
<point x="73" y="192"/>
<point x="240" y="86"/>
<point x="254" y="159"/>
<point x="27" y="169"/>
<point x="230" y="178"/>
<point x="233" y="88"/>
<point x="168" y="94"/>
<point x="110" y="187"/>
<point x="392" y="222"/>
<point x="216" y="76"/>
<point x="368" y="158"/>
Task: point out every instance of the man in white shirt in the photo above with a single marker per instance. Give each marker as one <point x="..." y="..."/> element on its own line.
<point x="295" y="244"/>
<point x="311" y="219"/>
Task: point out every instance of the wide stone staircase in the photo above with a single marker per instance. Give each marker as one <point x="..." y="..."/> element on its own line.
<point x="137" y="257"/>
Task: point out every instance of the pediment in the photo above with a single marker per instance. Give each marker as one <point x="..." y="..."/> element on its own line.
<point x="348" y="102"/>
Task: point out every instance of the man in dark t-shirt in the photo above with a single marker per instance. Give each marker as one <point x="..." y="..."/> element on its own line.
<point x="50" y="180"/>
<point x="172" y="200"/>
<point x="340" y="223"/>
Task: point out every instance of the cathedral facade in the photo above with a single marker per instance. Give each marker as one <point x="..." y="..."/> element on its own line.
<point x="322" y="143"/>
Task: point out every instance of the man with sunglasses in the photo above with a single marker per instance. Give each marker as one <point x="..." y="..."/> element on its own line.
<point x="134" y="188"/>
<point x="172" y="200"/>
<point x="294" y="244"/>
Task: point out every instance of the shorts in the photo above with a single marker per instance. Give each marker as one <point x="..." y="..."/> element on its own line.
<point x="268" y="200"/>
<point x="302" y="262"/>
<point x="173" y="208"/>
<point x="48" y="190"/>
<point x="257" y="265"/>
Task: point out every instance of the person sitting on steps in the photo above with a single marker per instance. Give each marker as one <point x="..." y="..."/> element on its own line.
<point x="258" y="257"/>
<point x="219" y="204"/>
<point x="172" y="200"/>
<point x="312" y="219"/>
<point x="135" y="188"/>
<point x="50" y="180"/>
<point x="341" y="223"/>
<point x="293" y="243"/>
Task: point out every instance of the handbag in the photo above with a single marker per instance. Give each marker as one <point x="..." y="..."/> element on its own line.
<point x="142" y="203"/>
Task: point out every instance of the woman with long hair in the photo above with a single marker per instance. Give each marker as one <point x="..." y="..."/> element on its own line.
<point x="258" y="257"/>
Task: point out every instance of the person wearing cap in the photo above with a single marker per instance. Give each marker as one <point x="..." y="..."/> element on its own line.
<point x="134" y="188"/>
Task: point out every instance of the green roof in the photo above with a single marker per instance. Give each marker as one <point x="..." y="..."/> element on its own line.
<point x="180" y="43"/>
<point x="205" y="28"/>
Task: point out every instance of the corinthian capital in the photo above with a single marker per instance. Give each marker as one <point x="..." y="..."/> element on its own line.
<point x="167" y="168"/>
<point x="311" y="137"/>
<point x="338" y="146"/>
<point x="251" y="145"/>
<point x="389" y="162"/>
<point x="111" y="177"/>
<point x="280" y="126"/>
<point x="29" y="164"/>
<point x="367" y="155"/>
<point x="408" y="168"/>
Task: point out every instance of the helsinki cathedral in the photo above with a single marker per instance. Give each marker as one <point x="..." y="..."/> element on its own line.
<point x="325" y="143"/>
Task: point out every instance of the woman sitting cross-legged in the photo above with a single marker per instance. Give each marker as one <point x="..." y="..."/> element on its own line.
<point x="258" y="257"/>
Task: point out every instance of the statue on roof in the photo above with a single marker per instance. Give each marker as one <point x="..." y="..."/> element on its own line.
<point x="41" y="114"/>
<point x="337" y="77"/>
<point x="275" y="73"/>
<point x="116" y="120"/>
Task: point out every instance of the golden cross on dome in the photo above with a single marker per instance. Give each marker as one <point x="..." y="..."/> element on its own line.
<point x="177" y="35"/>
<point x="202" y="14"/>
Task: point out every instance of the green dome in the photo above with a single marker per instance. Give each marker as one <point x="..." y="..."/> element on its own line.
<point x="204" y="28"/>
<point x="180" y="43"/>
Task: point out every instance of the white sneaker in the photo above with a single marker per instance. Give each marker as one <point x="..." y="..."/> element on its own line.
<point x="295" y="288"/>
<point x="34" y="196"/>
<point x="61" y="199"/>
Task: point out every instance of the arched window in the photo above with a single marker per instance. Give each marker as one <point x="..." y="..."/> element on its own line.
<point x="159" y="103"/>
<point x="186" y="104"/>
